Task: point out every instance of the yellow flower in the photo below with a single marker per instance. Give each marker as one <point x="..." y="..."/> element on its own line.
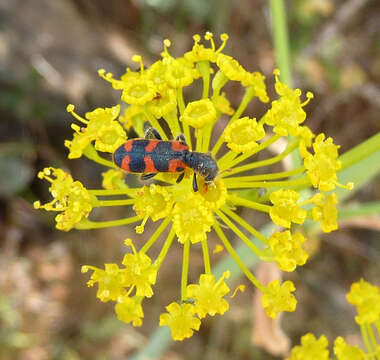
<point x="179" y="72"/>
<point x="326" y="212"/>
<point x="124" y="80"/>
<point x="108" y="139"/>
<point x="366" y="298"/>
<point x="163" y="103"/>
<point x="192" y="219"/>
<point x="101" y="127"/>
<point x="323" y="165"/>
<point x="111" y="281"/>
<point x="133" y="118"/>
<point x="257" y="81"/>
<point x="242" y="135"/>
<point x="209" y="294"/>
<point x="279" y="298"/>
<point x="129" y="310"/>
<point x="113" y="179"/>
<point x="181" y="320"/>
<point x="139" y="271"/>
<point x="287" y="112"/>
<point x="343" y="351"/>
<point x="231" y="68"/>
<point x="225" y="175"/>
<point x="154" y="201"/>
<point x="306" y="140"/>
<point x="200" y="53"/>
<point x="310" y="348"/>
<point x="215" y="196"/>
<point x="285" y="209"/>
<point x="222" y="104"/>
<point x="157" y="74"/>
<point x="287" y="249"/>
<point x="199" y="113"/>
<point x="138" y="92"/>
<point x="361" y="291"/>
<point x="70" y="198"/>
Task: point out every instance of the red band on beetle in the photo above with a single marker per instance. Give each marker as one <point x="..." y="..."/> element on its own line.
<point x="151" y="145"/>
<point x="149" y="165"/>
<point x="177" y="146"/>
<point x="128" y="145"/>
<point x="125" y="163"/>
<point x="175" y="165"/>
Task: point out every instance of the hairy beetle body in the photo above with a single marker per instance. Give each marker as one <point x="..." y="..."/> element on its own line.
<point x="151" y="156"/>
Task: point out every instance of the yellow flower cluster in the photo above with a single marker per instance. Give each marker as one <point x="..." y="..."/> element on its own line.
<point x="155" y="97"/>
<point x="365" y="297"/>
<point x="71" y="198"/>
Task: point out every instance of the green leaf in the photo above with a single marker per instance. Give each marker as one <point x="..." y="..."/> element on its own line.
<point x="359" y="210"/>
<point x="360" y="165"/>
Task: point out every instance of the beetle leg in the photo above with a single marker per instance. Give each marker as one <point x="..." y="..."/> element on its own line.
<point x="152" y="133"/>
<point x="195" y="184"/>
<point x="181" y="139"/>
<point x="147" y="176"/>
<point x="180" y="177"/>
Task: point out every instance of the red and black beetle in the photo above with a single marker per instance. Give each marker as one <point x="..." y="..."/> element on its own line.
<point x="152" y="155"/>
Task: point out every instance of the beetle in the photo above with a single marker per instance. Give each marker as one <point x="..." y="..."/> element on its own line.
<point x="153" y="155"/>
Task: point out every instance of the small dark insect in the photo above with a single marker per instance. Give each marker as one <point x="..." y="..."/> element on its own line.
<point x="152" y="155"/>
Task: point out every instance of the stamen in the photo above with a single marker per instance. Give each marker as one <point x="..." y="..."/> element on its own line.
<point x="224" y="38"/>
<point x="128" y="242"/>
<point x="209" y="36"/>
<point x="238" y="288"/>
<point x="70" y="109"/>
<point x="140" y="228"/>
<point x="167" y="44"/>
<point x="138" y="59"/>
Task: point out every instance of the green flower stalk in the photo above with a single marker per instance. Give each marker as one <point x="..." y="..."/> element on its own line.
<point x="366" y="298"/>
<point x="155" y="97"/>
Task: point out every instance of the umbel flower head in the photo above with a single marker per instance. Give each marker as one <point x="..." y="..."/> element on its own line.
<point x="155" y="97"/>
<point x="365" y="297"/>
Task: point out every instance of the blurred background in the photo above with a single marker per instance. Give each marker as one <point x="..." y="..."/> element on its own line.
<point x="49" y="55"/>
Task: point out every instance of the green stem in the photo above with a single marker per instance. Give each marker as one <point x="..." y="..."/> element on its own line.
<point x="270" y="161"/>
<point x="363" y="209"/>
<point x="360" y="151"/>
<point x="165" y="248"/>
<point x="155" y="236"/>
<point x="230" y="184"/>
<point x="242" y="157"/>
<point x="366" y="341"/>
<point x="281" y="40"/>
<point x="249" y="204"/>
<point x="248" y="96"/>
<point x="236" y="258"/>
<point x="204" y="69"/>
<point x="244" y="224"/>
<point x="101" y="203"/>
<point x="93" y="155"/>
<point x="185" y="268"/>
<point x="206" y="257"/>
<point x="86" y="224"/>
<point x="372" y="339"/>
<point x="103" y="192"/>
<point x="236" y="230"/>
<point x="154" y="122"/>
<point x="270" y="176"/>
